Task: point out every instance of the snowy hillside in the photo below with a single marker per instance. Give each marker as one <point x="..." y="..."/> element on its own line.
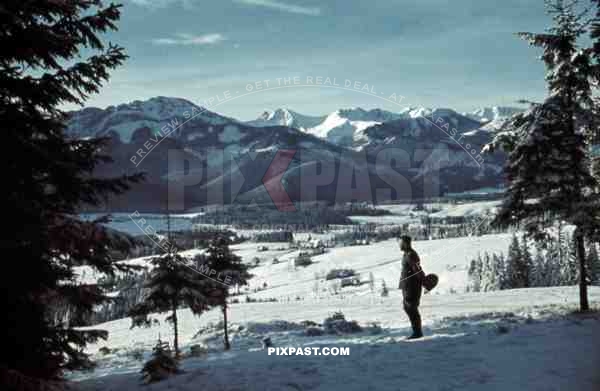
<point x="499" y="340"/>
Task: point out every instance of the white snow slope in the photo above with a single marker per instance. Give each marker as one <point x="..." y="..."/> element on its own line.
<point x="524" y="339"/>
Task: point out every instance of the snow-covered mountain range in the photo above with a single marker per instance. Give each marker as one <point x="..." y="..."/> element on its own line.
<point x="146" y="131"/>
<point x="344" y="127"/>
<point x="347" y="127"/>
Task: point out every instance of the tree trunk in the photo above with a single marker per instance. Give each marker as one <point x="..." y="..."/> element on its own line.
<point x="583" y="295"/>
<point x="225" y="335"/>
<point x="175" y="331"/>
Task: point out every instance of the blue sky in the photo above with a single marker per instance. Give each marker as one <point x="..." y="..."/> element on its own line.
<point x="436" y="53"/>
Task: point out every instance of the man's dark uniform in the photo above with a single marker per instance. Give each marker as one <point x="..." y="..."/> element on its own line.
<point x="410" y="283"/>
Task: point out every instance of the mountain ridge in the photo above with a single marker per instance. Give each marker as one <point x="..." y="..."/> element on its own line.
<point x="203" y="139"/>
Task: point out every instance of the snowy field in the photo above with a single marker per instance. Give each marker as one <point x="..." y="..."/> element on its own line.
<point x="507" y="340"/>
<point x="524" y="339"/>
<point x="448" y="258"/>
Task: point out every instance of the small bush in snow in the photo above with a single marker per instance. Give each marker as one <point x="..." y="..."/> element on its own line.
<point x="314" y="332"/>
<point x="308" y="323"/>
<point x="162" y="364"/>
<point x="337" y="324"/>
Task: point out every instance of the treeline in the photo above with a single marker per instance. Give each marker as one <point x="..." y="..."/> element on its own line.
<point x="555" y="265"/>
<point x="314" y="215"/>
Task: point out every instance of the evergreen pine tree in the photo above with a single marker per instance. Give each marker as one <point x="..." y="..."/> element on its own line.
<point x="554" y="262"/>
<point x="514" y="265"/>
<point x="569" y="266"/>
<point x="594" y="135"/>
<point x="228" y="269"/>
<point x="503" y="279"/>
<point x="162" y="364"/>
<point x="47" y="178"/>
<point x="547" y="170"/>
<point x="474" y="274"/>
<point x="173" y="282"/>
<point x="496" y="272"/>
<point x="487" y="278"/>
<point x="539" y="275"/>
<point x="593" y="265"/>
<point x="527" y="262"/>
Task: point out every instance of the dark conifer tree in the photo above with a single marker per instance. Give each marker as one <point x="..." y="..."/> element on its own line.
<point x="515" y="265"/>
<point x="475" y="274"/>
<point x="173" y="282"/>
<point x="47" y="177"/>
<point x="527" y="262"/>
<point x="593" y="265"/>
<point x="547" y="171"/>
<point x="539" y="275"/>
<point x="227" y="269"/>
<point x="569" y="266"/>
<point x="502" y="279"/>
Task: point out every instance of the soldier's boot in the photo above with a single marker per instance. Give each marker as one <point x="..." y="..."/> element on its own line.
<point x="415" y="321"/>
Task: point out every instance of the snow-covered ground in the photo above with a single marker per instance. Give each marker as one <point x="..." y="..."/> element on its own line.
<point x="448" y="258"/>
<point x="506" y="340"/>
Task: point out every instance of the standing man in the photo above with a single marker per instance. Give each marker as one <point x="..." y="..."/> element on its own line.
<point x="411" y="285"/>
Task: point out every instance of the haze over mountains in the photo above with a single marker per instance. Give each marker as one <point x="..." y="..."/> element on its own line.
<point x="434" y="149"/>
